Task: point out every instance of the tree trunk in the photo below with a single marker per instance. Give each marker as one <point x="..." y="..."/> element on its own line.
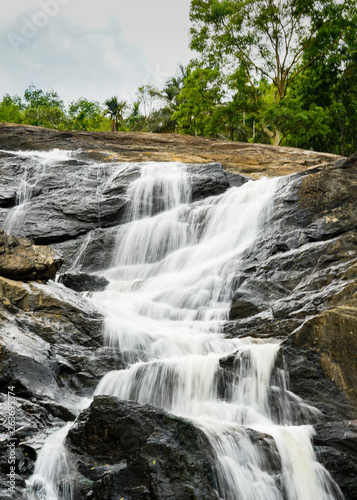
<point x="275" y="136"/>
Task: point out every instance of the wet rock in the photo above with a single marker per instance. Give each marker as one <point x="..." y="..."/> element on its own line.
<point x="32" y="420"/>
<point x="89" y="253"/>
<point x="208" y="181"/>
<point x="332" y="334"/>
<point x="336" y="447"/>
<point x="307" y="380"/>
<point x="82" y="282"/>
<point x="305" y="263"/>
<point x="7" y="198"/>
<point x="81" y="198"/>
<point x="244" y="305"/>
<point x="137" y="451"/>
<point x="255" y="296"/>
<point x="20" y="259"/>
<point x="78" y="197"/>
<point x="236" y="180"/>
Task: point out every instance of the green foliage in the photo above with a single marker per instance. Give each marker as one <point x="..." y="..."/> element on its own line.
<point x="87" y="115"/>
<point x="36" y="97"/>
<point x="11" y="109"/>
<point x="198" y="110"/>
<point x="135" y="120"/>
<point x="271" y="39"/>
<point x="44" y="109"/>
<point x="324" y="87"/>
<point x="45" y="116"/>
<point x="115" y="109"/>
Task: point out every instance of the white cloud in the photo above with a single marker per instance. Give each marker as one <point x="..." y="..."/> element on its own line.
<point x="90" y="48"/>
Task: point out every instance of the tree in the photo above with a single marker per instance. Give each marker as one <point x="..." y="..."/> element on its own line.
<point x="173" y="86"/>
<point x="269" y="38"/>
<point x="146" y="95"/>
<point x="160" y="119"/>
<point x="115" y="110"/>
<point x="323" y="101"/>
<point x="36" y="97"/>
<point x="198" y="110"/>
<point x="44" y="109"/>
<point x="11" y="109"/>
<point x="135" y="119"/>
<point x="351" y="69"/>
<point x="86" y="115"/>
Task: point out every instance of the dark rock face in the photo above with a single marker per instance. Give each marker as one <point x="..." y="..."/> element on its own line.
<point x="208" y="182"/>
<point x="127" y="450"/>
<point x="77" y="197"/>
<point x="305" y="271"/>
<point x="51" y="353"/>
<point x="236" y="180"/>
<point x="90" y="252"/>
<point x="82" y="282"/>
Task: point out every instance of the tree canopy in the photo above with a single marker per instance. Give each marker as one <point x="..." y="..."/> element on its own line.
<point x="272" y="39"/>
<point x="115" y="108"/>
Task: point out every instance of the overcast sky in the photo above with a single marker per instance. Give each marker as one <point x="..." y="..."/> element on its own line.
<point x="91" y="48"/>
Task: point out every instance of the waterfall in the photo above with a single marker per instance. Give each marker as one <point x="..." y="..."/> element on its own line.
<point x="171" y="283"/>
<point x="36" y="162"/>
<point x="52" y="477"/>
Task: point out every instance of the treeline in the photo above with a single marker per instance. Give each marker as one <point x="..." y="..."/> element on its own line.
<point x="151" y="112"/>
<point x="268" y="71"/>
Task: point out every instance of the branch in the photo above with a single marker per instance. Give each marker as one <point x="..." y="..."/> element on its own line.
<point x="244" y="58"/>
<point x="316" y="57"/>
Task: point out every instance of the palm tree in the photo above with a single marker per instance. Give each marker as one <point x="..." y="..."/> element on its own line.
<point x="115" y="110"/>
<point x="160" y="119"/>
<point x="135" y="119"/>
<point x="172" y="89"/>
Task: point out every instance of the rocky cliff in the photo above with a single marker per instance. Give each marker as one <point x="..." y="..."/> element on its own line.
<point x="298" y="283"/>
<point x="254" y="160"/>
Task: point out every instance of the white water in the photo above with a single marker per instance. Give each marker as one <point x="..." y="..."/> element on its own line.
<point x="52" y="477"/>
<point x="35" y="166"/>
<point x="170" y="289"/>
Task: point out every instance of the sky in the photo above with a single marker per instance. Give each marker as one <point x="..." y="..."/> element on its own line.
<point x="91" y="48"/>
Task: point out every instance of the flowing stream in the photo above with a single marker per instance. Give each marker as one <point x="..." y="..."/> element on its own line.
<point x="171" y="283"/>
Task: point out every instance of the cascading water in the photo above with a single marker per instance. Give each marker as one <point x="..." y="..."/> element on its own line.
<point x="36" y="162"/>
<point x="52" y="478"/>
<point x="171" y="283"/>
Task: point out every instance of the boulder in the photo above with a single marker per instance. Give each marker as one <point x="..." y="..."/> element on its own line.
<point x="20" y="259"/>
<point x="332" y="334"/>
<point x="83" y="282"/>
<point x="208" y="181"/>
<point x="127" y="450"/>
